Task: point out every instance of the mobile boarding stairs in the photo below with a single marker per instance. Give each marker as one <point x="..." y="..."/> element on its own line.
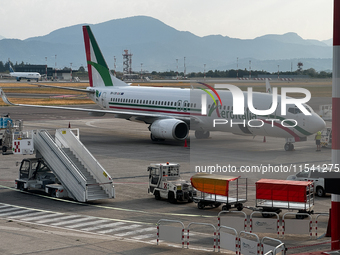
<point x="69" y="160"/>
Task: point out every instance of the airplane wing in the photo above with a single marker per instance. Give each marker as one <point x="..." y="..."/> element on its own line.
<point x="74" y="89"/>
<point x="148" y="117"/>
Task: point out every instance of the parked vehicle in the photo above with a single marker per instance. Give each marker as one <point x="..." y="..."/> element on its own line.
<point x="165" y="182"/>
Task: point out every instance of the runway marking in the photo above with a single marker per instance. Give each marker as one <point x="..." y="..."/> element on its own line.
<point x="103" y="226"/>
<point x="72" y="221"/>
<point x="118" y="229"/>
<point x="27" y="214"/>
<point x="45" y="218"/>
<point x="137" y="231"/>
<point x="58" y="219"/>
<point x="8" y="210"/>
<point x="4" y="206"/>
<point x="13" y="213"/>
<point x="39" y="217"/>
<point x="144" y="236"/>
<point x="114" y="208"/>
<point x="88" y="123"/>
<point x="87" y="224"/>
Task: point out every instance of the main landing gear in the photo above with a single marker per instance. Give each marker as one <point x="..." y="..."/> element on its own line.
<point x="289" y="147"/>
<point x="202" y="134"/>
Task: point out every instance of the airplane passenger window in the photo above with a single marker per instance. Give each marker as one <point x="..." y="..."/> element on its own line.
<point x="175" y="104"/>
<point x="171" y="103"/>
<point x="228" y="108"/>
<point x="224" y="107"/>
<point x="195" y="105"/>
<point x="143" y="101"/>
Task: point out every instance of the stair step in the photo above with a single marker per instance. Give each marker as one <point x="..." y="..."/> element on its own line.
<point x="97" y="197"/>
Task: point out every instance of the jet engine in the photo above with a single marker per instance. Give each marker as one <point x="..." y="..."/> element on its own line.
<point x="169" y="129"/>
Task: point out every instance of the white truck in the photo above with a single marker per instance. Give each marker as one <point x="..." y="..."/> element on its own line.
<point x="317" y="175"/>
<point x="165" y="182"/>
<point x="35" y="174"/>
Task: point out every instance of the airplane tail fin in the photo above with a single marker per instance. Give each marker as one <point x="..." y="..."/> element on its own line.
<point x="99" y="72"/>
<point x="11" y="69"/>
<point x="268" y="87"/>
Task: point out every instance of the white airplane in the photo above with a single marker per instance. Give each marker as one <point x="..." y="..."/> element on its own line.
<point x="172" y="112"/>
<point x="24" y="75"/>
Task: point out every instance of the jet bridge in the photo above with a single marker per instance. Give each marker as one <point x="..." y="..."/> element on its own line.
<point x="77" y="170"/>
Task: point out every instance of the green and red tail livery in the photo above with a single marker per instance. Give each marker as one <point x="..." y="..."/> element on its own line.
<point x="99" y="72"/>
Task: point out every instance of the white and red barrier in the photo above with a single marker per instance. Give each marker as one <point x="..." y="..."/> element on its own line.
<point x="265" y="225"/>
<point x="202" y="224"/>
<point x="227" y="240"/>
<point x="170" y="233"/>
<point x="238" y="223"/>
<point x="297" y="226"/>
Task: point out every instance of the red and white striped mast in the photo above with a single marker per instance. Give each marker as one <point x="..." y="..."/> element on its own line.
<point x="335" y="211"/>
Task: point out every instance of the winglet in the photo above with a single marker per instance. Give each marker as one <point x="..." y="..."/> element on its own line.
<point x="4" y="97"/>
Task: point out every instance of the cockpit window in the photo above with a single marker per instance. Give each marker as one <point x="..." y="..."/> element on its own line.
<point x="308" y="108"/>
<point x="294" y="110"/>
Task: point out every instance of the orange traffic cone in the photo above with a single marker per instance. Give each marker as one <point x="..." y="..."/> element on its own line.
<point x="185" y="143"/>
<point x="264" y="139"/>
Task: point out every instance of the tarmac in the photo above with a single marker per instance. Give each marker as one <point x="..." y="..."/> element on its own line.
<point x="125" y="150"/>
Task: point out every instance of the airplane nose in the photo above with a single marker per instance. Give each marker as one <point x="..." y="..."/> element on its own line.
<point x="318" y="124"/>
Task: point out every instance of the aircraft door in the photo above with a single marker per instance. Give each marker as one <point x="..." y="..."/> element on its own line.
<point x="104" y="100"/>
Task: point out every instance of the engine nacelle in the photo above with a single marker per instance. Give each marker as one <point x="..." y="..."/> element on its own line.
<point x="169" y="129"/>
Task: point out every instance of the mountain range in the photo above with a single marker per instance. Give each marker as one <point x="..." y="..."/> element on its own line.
<point x="158" y="45"/>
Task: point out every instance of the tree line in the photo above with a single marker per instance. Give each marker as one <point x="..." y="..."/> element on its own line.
<point x="311" y="72"/>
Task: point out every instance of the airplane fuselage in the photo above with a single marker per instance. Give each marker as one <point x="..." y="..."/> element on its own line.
<point x="186" y="104"/>
<point x="25" y="75"/>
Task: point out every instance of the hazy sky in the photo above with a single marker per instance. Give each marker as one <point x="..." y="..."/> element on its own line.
<point x="246" y="19"/>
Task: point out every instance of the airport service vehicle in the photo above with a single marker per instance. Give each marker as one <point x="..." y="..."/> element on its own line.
<point x="62" y="166"/>
<point x="274" y="195"/>
<point x="326" y="137"/>
<point x="5" y="124"/>
<point x="317" y="175"/>
<point x="8" y="130"/>
<point x="171" y="112"/>
<point x="165" y="182"/>
<point x="325" y="111"/>
<point x="219" y="189"/>
<point x="35" y="174"/>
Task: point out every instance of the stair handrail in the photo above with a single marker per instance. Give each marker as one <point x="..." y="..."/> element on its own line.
<point x="68" y="139"/>
<point x="73" y="169"/>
